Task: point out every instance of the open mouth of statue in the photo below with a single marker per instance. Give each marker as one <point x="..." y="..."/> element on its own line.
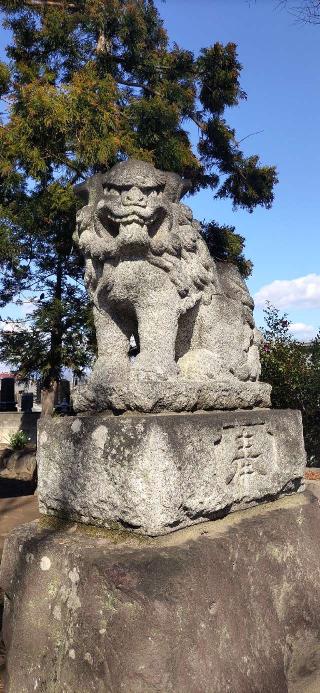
<point x="113" y="222"/>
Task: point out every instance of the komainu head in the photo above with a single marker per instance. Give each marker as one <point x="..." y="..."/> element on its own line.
<point x="131" y="207"/>
<point x="134" y="212"/>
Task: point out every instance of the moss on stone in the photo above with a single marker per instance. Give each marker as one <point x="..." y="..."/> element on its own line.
<point x="110" y="601"/>
<point x="115" y="534"/>
<point x="54" y="523"/>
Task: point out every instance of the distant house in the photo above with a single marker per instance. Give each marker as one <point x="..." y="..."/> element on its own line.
<point x="6" y="375"/>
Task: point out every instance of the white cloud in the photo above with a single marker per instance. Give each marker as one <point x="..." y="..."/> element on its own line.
<point x="10" y="326"/>
<point x="303" y="292"/>
<point x="302" y="331"/>
<point x="28" y="307"/>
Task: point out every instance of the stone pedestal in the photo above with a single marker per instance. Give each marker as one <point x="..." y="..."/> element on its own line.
<point x="154" y="474"/>
<point x="233" y="605"/>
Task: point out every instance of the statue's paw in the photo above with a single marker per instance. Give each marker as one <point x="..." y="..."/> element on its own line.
<point x="199" y="364"/>
<point x="154" y="367"/>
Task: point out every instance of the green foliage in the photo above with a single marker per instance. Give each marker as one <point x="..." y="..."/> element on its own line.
<point x="18" y="440"/>
<point x="94" y="80"/>
<point x="88" y="83"/>
<point x="220" y="71"/>
<point x="293" y="370"/>
<point x="226" y="246"/>
<point x="4" y="78"/>
<point x="61" y="330"/>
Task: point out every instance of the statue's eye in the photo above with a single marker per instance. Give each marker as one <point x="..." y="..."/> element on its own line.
<point x="154" y="192"/>
<point x="109" y="190"/>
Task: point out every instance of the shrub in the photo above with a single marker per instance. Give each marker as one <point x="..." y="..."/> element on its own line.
<point x="293" y="370"/>
<point x="19" y="440"/>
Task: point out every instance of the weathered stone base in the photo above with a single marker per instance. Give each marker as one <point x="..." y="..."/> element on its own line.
<point x="18" y="465"/>
<point x="230" y="606"/>
<point x="138" y="392"/>
<point x="154" y="474"/>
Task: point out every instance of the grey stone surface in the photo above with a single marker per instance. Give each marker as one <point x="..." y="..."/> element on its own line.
<point x="149" y="274"/>
<point x="20" y="465"/>
<point x="233" y="608"/>
<point x="157" y="473"/>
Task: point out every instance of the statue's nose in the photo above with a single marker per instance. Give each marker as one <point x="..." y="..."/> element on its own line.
<point x="134" y="196"/>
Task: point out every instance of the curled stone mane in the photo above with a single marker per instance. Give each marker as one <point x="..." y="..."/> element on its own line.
<point x="186" y="260"/>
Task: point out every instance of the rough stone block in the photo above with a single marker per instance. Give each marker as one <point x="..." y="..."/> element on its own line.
<point x="158" y="473"/>
<point x="18" y="465"/>
<point x="230" y="606"/>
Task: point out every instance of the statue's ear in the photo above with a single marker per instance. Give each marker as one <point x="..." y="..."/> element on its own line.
<point x="186" y="185"/>
<point x="91" y="191"/>
<point x="176" y="187"/>
<point x="82" y="191"/>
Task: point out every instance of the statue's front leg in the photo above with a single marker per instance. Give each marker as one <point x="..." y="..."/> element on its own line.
<point x="157" y="327"/>
<point x="113" y="343"/>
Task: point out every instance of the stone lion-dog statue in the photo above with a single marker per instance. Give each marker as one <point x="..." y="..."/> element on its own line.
<point x="152" y="282"/>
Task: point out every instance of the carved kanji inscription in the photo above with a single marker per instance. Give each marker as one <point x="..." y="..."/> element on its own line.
<point x="251" y="451"/>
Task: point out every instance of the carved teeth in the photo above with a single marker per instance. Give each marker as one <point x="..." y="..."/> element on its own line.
<point x="133" y="218"/>
<point x="133" y="226"/>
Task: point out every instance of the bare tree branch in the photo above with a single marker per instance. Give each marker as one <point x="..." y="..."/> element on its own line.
<point x="251" y="134"/>
<point x="307" y="12"/>
<point x="54" y="3"/>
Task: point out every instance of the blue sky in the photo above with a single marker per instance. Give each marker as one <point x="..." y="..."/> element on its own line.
<point x="281" y="76"/>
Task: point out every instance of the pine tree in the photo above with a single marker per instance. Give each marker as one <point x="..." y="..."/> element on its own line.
<point x="88" y="83"/>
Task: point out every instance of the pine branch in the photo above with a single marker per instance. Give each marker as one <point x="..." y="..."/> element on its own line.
<point x="200" y="124"/>
<point x="70" y="164"/>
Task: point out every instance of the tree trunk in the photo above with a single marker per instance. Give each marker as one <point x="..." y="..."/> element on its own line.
<point x="50" y="384"/>
<point x="48" y="396"/>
